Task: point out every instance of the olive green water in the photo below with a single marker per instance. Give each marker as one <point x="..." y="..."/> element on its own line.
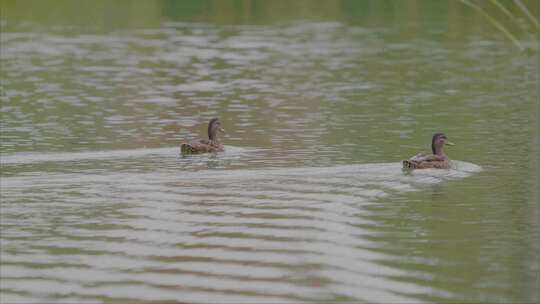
<point x="320" y="101"/>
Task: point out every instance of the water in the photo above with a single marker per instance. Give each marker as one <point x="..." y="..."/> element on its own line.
<point x="308" y="202"/>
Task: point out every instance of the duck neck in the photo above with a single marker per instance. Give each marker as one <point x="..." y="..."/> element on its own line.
<point x="437" y="150"/>
<point x="212" y="137"/>
<point x="212" y="133"/>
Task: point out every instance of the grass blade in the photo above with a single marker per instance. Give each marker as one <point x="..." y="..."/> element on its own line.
<point x="495" y="23"/>
<point x="527" y="13"/>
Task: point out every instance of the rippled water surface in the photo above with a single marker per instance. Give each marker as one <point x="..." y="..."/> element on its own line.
<point x="308" y="202"/>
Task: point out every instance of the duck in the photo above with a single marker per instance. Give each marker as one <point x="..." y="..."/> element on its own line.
<point x="210" y="145"/>
<point x="437" y="160"/>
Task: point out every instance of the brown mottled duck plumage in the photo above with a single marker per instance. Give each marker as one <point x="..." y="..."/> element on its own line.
<point x="210" y="145"/>
<point x="437" y="160"/>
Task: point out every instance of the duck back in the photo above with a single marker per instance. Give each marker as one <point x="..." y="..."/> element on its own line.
<point x="200" y="146"/>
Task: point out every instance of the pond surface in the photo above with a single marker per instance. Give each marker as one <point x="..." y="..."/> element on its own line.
<point x="308" y="202"/>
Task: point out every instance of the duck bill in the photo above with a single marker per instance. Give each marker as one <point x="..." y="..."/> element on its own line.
<point x="221" y="130"/>
<point x="450" y="143"/>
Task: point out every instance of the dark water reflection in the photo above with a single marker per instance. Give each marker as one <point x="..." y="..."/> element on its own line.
<point x="308" y="203"/>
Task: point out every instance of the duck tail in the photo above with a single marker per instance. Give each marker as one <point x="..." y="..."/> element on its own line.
<point x="186" y="149"/>
<point x="407" y="164"/>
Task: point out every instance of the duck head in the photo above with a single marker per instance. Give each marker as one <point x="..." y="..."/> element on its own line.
<point x="437" y="143"/>
<point x="214" y="126"/>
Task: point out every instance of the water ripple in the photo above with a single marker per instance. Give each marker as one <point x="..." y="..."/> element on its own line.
<point x="286" y="234"/>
